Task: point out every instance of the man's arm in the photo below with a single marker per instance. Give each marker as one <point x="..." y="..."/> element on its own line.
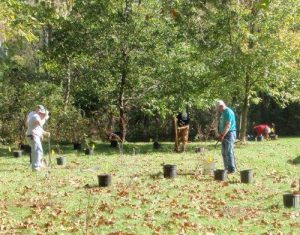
<point x="227" y="128"/>
<point x="37" y="122"/>
<point x="183" y="127"/>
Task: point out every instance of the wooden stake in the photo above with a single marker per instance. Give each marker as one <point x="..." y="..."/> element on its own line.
<point x="176" y="134"/>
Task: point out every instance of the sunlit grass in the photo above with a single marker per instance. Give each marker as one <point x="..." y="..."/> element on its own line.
<point x="66" y="200"/>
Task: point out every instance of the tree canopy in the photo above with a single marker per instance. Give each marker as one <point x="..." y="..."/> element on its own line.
<point x="110" y="65"/>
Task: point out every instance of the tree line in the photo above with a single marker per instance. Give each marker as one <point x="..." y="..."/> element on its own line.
<point x="126" y="64"/>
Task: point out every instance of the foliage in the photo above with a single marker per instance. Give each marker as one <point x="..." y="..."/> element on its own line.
<point x="103" y="65"/>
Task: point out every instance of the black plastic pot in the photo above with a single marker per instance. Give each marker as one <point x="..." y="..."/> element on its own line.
<point x="156" y="145"/>
<point x="26" y="148"/>
<point x="61" y="161"/>
<point x="113" y="143"/>
<point x="104" y="180"/>
<point x="220" y="175"/>
<point x="200" y="150"/>
<point x="247" y="176"/>
<point x="259" y="138"/>
<point x="170" y="171"/>
<point x="77" y="146"/>
<point x="18" y="153"/>
<point x="89" y="151"/>
<point x="291" y="200"/>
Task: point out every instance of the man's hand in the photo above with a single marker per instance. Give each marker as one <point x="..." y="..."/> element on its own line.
<point x="221" y="137"/>
<point x="47" y="134"/>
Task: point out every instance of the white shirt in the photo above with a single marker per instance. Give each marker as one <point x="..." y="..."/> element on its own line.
<point x="33" y="128"/>
<point x="42" y="122"/>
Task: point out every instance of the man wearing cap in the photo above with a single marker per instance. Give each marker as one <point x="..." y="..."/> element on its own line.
<point x="39" y="107"/>
<point x="35" y="134"/>
<point x="227" y="135"/>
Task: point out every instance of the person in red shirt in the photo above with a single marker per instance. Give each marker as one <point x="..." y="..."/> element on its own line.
<point x="262" y="129"/>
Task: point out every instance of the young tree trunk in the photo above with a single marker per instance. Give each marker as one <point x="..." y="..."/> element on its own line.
<point x="122" y="110"/>
<point x="67" y="86"/>
<point x="124" y="73"/>
<point x="245" y="109"/>
<point x="122" y="103"/>
<point x="246" y="101"/>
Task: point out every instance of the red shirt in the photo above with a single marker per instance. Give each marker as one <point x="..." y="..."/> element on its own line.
<point x="260" y="129"/>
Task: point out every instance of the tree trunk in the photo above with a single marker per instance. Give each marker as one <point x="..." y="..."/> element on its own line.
<point x="122" y="103"/>
<point x="67" y="86"/>
<point x="122" y="110"/>
<point x="124" y="73"/>
<point x="248" y="85"/>
<point x="245" y="109"/>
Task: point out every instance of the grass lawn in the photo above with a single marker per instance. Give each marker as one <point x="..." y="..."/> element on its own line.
<point x="66" y="200"/>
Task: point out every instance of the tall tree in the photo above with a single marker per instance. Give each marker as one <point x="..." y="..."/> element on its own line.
<point x="253" y="50"/>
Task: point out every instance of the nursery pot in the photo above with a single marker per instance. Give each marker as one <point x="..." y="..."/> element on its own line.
<point x="113" y="143"/>
<point x="247" y="176"/>
<point x="77" y="146"/>
<point x="274" y="137"/>
<point x="18" y="153"/>
<point x="104" y="180"/>
<point x="209" y="168"/>
<point x="61" y="161"/>
<point x="220" y="175"/>
<point x="156" y="145"/>
<point x="26" y="148"/>
<point x="170" y="171"/>
<point x="89" y="151"/>
<point x="200" y="150"/>
<point x="260" y="138"/>
<point x="291" y="200"/>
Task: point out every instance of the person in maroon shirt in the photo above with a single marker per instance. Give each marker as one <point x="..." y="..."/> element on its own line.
<point x="262" y="129"/>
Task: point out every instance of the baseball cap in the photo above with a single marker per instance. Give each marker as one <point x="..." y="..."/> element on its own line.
<point x="43" y="111"/>
<point x="40" y="106"/>
<point x="220" y="103"/>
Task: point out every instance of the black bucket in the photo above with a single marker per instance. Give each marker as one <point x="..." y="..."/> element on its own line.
<point x="104" y="180"/>
<point x="220" y="175"/>
<point x="291" y="200"/>
<point x="170" y="171"/>
<point x="113" y="143"/>
<point x="89" y="151"/>
<point x="259" y="138"/>
<point x="77" y="146"/>
<point x="18" y="153"/>
<point x="61" y="161"/>
<point x="247" y="176"/>
<point x="26" y="148"/>
<point x="156" y="145"/>
<point x="200" y="150"/>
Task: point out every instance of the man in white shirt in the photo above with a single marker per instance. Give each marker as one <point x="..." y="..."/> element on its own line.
<point x="35" y="134"/>
<point x="39" y="107"/>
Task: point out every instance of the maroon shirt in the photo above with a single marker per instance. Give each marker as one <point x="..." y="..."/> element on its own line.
<point x="260" y="129"/>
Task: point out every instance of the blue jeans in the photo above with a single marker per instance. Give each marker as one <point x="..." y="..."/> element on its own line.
<point x="228" y="151"/>
<point x="36" y="152"/>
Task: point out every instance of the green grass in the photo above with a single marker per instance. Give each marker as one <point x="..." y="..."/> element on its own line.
<point x="66" y="200"/>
